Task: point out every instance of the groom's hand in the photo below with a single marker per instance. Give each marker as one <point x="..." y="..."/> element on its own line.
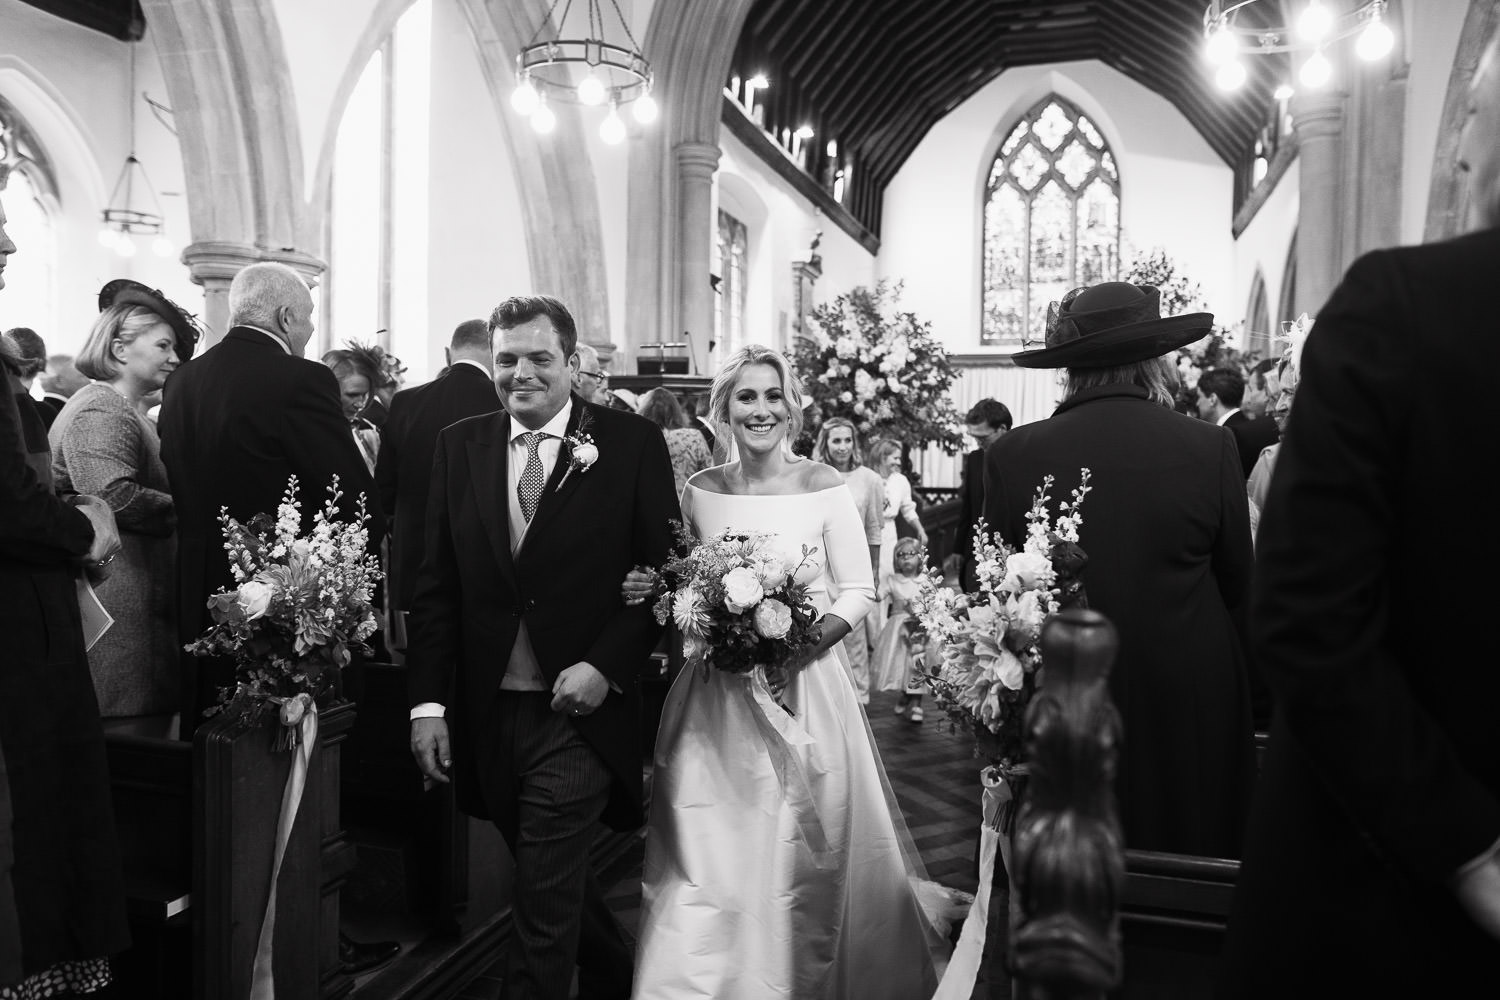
<point x="579" y="690"/>
<point x="429" y="744"/>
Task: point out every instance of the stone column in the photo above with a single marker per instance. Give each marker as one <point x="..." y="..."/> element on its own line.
<point x="696" y="163"/>
<point x="1319" y="122"/>
<point x="214" y="265"/>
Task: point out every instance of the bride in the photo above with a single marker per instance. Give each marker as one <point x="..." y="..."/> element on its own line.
<point x="775" y="854"/>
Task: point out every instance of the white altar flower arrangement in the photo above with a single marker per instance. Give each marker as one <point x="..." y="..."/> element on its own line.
<point x="864" y="359"/>
<point x="300" y="607"/>
<point x="991" y="660"/>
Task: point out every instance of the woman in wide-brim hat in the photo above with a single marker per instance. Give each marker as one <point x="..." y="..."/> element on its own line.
<point x="1166" y="529"/>
<point x="103" y="443"/>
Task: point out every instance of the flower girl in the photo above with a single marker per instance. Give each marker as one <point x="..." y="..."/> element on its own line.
<point x="897" y="660"/>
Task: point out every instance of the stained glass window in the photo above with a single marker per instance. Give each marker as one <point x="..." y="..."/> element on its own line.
<point x="1051" y="220"/>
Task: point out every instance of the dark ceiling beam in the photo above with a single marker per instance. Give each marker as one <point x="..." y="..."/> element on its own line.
<point x="925" y="63"/>
<point x="122" y="19"/>
<point x="805" y="52"/>
<point x="881" y="45"/>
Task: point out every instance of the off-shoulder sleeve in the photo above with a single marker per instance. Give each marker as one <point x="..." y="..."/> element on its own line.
<point x="848" y="556"/>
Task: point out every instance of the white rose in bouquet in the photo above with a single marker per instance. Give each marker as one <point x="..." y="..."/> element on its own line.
<point x="1009" y="670"/>
<point x="742" y="589"/>
<point x="773" y="620"/>
<point x="1027" y="571"/>
<point x="254" y="598"/>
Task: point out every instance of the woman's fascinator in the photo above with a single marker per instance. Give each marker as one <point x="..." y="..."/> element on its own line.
<point x="387" y="369"/>
<point x="1110" y="324"/>
<point x="185" y="326"/>
<point x="1295" y="334"/>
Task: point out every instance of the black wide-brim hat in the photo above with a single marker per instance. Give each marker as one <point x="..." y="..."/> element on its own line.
<point x="123" y="291"/>
<point x="1110" y="324"/>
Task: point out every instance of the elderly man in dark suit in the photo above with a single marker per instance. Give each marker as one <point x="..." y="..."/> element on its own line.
<point x="1167" y="533"/>
<point x="239" y="420"/>
<point x="986" y="422"/>
<point x="1370" y="863"/>
<point x="535" y="517"/>
<point x="403" y="471"/>
<point x="1220" y="392"/>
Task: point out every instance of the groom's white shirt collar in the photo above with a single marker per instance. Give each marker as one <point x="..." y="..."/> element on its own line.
<point x="556" y="427"/>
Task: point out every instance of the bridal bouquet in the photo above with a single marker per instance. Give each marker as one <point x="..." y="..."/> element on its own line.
<point x="738" y="602"/>
<point x="300" y="606"/>
<point x="990" y="660"/>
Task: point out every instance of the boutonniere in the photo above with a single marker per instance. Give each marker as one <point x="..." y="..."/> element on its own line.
<point x="582" y="451"/>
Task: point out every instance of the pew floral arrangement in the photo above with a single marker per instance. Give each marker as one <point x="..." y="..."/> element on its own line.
<point x="990" y="660"/>
<point x="741" y="606"/>
<point x="299" y="609"/>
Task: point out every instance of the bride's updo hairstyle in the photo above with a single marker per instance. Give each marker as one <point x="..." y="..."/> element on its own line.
<point x="729" y="375"/>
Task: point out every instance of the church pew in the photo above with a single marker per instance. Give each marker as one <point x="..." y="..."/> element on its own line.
<point x="151" y="779"/>
<point x="196" y="824"/>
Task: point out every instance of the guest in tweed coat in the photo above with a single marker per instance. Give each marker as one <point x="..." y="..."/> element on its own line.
<point x="103" y="444"/>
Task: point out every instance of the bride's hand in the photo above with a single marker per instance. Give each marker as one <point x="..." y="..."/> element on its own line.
<point x="639" y="584"/>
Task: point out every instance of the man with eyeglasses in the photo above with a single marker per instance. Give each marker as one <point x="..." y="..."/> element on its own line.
<point x="592" y="383"/>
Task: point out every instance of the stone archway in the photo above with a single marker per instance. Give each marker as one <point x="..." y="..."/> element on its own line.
<point x="235" y="114"/>
<point x="1447" y="196"/>
<point x="671" y="173"/>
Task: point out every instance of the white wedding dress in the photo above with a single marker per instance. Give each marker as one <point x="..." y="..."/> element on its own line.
<point x="777" y="863"/>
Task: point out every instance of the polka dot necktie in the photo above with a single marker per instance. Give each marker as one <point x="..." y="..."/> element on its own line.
<point x="529" y="487"/>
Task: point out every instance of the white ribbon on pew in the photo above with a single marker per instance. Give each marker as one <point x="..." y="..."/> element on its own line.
<point x="262" y="980"/>
<point x="963" y="967"/>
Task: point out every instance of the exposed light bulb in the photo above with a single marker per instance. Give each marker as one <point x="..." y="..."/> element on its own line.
<point x="543" y="120"/>
<point x="644" y="109"/>
<point x="162" y="247"/>
<point x="1222" y="46"/>
<point x="804" y="132"/>
<point x="1284" y="92"/>
<point x="524" y="99"/>
<point x="612" y="129"/>
<point x="125" y="246"/>
<point x="1316" y="72"/>
<point x="107" y="238"/>
<point x="1231" y="75"/>
<point x="1376" y="41"/>
<point x="1316" y="21"/>
<point x="758" y="82"/>
<point x="591" y="90"/>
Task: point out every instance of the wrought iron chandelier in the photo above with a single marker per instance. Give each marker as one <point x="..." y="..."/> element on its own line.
<point x="121" y="221"/>
<point x="588" y="71"/>
<point x="1320" y="24"/>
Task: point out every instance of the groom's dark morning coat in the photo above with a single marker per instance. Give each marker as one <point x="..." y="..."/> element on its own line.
<point x="565" y="579"/>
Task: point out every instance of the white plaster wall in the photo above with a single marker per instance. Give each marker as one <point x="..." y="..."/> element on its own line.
<point x="783" y="236"/>
<point x="1264" y="244"/>
<point x="72" y="85"/>
<point x="1175" y="192"/>
<point x="477" y="238"/>
<point x="1431" y="32"/>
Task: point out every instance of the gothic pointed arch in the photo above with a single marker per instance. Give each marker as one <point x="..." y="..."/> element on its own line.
<point x="1447" y="197"/>
<point x="1051" y="219"/>
<point x="1258" y="332"/>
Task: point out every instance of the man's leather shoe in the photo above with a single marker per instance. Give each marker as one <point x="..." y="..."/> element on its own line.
<point x="362" y="956"/>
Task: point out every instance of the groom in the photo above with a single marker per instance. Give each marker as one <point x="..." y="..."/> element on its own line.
<point x="535" y="516"/>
